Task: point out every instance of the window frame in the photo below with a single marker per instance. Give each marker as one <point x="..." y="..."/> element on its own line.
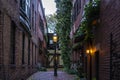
<point x="12" y="43"/>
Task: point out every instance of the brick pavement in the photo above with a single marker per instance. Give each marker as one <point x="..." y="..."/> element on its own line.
<point x="49" y="75"/>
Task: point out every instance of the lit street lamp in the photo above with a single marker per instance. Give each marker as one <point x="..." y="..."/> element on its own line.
<point x="55" y="39"/>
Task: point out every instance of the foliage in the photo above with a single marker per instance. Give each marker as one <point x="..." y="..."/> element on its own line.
<point x="94" y="78"/>
<point x="51" y="22"/>
<point x="77" y="78"/>
<point x="77" y="45"/>
<point x="80" y="73"/>
<point x="89" y="21"/>
<point x="79" y="32"/>
<point x="71" y="71"/>
<point x="63" y="29"/>
<point x="42" y="69"/>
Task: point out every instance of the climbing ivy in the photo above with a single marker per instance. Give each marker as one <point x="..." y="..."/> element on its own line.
<point x="90" y="18"/>
<point x="63" y="29"/>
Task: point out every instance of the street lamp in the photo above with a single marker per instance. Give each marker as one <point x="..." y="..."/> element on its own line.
<point x="55" y="39"/>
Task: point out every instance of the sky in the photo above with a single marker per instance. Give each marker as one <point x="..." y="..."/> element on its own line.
<point x="50" y="6"/>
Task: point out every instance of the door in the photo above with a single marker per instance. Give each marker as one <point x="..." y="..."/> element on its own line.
<point x="97" y="64"/>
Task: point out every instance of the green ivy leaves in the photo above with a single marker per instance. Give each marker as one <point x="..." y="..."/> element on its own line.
<point x="90" y="17"/>
<point x="63" y="29"/>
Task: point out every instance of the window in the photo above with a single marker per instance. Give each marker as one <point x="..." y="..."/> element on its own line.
<point x="28" y="51"/>
<point x="25" y="6"/>
<point x="51" y="41"/>
<point x="1" y="40"/>
<point x="35" y="53"/>
<point x="33" y="20"/>
<point x="22" y="4"/>
<point x="0" y="18"/>
<point x="79" y="6"/>
<point x="34" y="14"/>
<point x="41" y="25"/>
<point x="76" y="10"/>
<point x="23" y="46"/>
<point x="40" y="47"/>
<point x="12" y="43"/>
<point x="32" y="53"/>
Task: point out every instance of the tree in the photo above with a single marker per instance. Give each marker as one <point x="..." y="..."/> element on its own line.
<point x="51" y="22"/>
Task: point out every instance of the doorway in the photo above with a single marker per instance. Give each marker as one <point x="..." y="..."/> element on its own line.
<point x="97" y="64"/>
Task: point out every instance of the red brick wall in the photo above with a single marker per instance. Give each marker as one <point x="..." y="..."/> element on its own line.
<point x="109" y="23"/>
<point x="6" y="38"/>
<point x="10" y="12"/>
<point x="17" y="72"/>
<point x="26" y="49"/>
<point x="11" y="8"/>
<point x="18" y="48"/>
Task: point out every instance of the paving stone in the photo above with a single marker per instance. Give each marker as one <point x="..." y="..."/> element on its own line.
<point x="49" y="75"/>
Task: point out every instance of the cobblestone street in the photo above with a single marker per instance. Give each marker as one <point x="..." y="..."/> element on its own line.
<point x="49" y="75"/>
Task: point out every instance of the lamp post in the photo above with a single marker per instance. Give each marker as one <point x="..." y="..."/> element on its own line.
<point x="55" y="39"/>
<point x="89" y="52"/>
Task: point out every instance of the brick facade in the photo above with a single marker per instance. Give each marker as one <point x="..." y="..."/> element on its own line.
<point x="77" y="14"/>
<point x="105" y="61"/>
<point x="19" y="44"/>
<point x="109" y="24"/>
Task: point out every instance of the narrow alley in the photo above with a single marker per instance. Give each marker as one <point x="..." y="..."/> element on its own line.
<point x="59" y="39"/>
<point x="49" y="75"/>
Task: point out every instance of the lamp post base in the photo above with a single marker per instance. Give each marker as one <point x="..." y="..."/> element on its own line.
<point x="55" y="71"/>
<point x="55" y="74"/>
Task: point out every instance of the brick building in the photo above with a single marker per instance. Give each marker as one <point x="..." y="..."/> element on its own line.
<point x="22" y="38"/>
<point x="77" y="55"/>
<point x="107" y="39"/>
<point x="103" y="64"/>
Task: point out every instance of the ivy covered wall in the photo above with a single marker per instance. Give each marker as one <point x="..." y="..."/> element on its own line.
<point x="63" y="29"/>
